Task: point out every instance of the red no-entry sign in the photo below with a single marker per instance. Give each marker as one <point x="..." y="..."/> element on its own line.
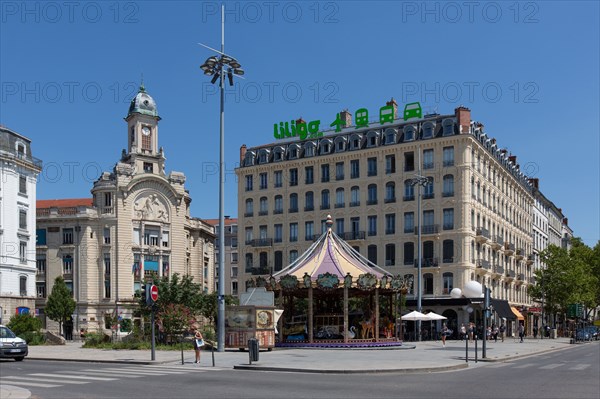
<point x="154" y="293"/>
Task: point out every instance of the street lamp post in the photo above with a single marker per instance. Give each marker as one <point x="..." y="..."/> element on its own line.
<point x="218" y="67"/>
<point x="420" y="181"/>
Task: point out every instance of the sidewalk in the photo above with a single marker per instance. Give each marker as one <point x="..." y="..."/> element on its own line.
<point x="414" y="357"/>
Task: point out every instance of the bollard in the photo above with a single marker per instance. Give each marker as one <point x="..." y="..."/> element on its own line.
<point x="466" y="349"/>
<point x="253" y="350"/>
<point x="475" y="336"/>
<point x="212" y="348"/>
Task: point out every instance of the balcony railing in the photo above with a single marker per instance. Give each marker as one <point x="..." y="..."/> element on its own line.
<point x="389" y="200"/>
<point x="520" y="254"/>
<point x="497" y="242"/>
<point x="482" y="235"/>
<point x="428" y="229"/>
<point x="409" y="197"/>
<point x="427" y="262"/>
<point x="262" y="242"/>
<point x="354" y="203"/>
<point x="428" y="195"/>
<point x="499" y="269"/>
<point x="309" y="208"/>
<point x="263" y="213"/>
<point x="509" y="248"/>
<point x="372" y="202"/>
<point x="530" y="259"/>
<point x="354" y="235"/>
<point x="483" y="264"/>
<point x="510" y="273"/>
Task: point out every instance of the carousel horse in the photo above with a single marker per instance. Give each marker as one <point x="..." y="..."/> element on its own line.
<point x="367" y="327"/>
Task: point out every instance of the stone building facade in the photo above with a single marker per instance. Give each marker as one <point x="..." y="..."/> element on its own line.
<point x="476" y="204"/>
<point x="19" y="172"/>
<point x="137" y="223"/>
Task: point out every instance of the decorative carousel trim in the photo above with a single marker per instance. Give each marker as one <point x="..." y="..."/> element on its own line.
<point x="399" y="283"/>
<point x="328" y="281"/>
<point x="367" y="281"/>
<point x="288" y="282"/>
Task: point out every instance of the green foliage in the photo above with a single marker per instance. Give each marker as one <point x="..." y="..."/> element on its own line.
<point x="24" y="323"/>
<point x="175" y="318"/>
<point x="95" y="340"/>
<point x="570" y="276"/>
<point x="210" y="305"/>
<point x="60" y="305"/>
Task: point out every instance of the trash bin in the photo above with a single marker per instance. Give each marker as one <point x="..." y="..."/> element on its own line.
<point x="253" y="349"/>
<point x="553" y="333"/>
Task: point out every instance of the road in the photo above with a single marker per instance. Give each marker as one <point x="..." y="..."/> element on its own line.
<point x="569" y="373"/>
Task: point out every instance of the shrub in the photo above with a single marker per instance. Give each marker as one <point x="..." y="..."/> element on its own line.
<point x="94" y="340"/>
<point x="24" y="323"/>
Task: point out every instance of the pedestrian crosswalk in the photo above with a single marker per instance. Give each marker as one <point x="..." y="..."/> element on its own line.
<point x="88" y="375"/>
<point x="564" y="366"/>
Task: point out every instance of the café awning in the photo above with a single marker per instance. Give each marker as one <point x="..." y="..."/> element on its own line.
<point x="517" y="313"/>
<point x="503" y="309"/>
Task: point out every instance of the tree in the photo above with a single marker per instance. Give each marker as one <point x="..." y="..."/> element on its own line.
<point x="175" y="318"/>
<point x="60" y="305"/>
<point x="210" y="305"/>
<point x="570" y="276"/>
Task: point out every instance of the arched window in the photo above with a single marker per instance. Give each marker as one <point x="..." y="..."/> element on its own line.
<point x="264" y="205"/>
<point x="249" y="207"/>
<point x="448" y="281"/>
<point x="390" y="192"/>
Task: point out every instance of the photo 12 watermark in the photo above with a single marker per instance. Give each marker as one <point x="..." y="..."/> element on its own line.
<point x="70" y="92"/>
<point x="454" y="12"/>
<point x="70" y="12"/>
<point x="471" y="92"/>
<point x="318" y="12"/>
<point x="271" y="92"/>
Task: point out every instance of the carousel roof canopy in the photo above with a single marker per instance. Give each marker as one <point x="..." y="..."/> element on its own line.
<point x="331" y="254"/>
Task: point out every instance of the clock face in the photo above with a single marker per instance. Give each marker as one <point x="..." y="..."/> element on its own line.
<point x="145" y="130"/>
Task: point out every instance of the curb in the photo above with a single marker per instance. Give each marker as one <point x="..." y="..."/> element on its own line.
<point x="373" y="371"/>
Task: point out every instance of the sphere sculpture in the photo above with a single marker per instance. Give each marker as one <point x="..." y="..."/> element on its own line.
<point x="473" y="289"/>
<point x="455" y="293"/>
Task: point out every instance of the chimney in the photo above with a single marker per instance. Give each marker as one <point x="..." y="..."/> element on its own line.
<point x="535" y="182"/>
<point x="346" y="118"/>
<point x="242" y="153"/>
<point x="395" y="104"/>
<point x="513" y="159"/>
<point x="463" y="118"/>
<point x="565" y="221"/>
<point x="299" y="121"/>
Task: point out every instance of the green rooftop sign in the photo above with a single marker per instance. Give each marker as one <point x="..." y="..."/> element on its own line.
<point x="310" y="130"/>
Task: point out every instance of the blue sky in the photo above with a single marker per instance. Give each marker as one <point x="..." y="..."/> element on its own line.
<point x="528" y="70"/>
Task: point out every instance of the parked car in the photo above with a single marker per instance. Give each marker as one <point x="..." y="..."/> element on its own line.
<point x="593" y="331"/>
<point x="584" y="335"/>
<point x="12" y="346"/>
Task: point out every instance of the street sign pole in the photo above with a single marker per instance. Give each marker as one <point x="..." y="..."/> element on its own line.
<point x="153" y="298"/>
<point x="152" y="352"/>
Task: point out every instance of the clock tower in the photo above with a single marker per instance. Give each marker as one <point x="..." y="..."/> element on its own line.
<point x="142" y="140"/>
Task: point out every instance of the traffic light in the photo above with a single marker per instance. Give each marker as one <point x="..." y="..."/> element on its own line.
<point x="143" y="291"/>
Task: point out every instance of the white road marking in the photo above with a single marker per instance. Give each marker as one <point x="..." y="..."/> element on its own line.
<point x="580" y="367"/>
<point x="60" y="376"/>
<point x="523" y="366"/>
<point x="37" y="379"/>
<point x="551" y="366"/>
<point x="6" y="381"/>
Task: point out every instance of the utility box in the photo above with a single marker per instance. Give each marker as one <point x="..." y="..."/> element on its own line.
<point x="245" y="322"/>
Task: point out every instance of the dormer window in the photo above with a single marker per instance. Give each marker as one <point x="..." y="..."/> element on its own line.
<point x="325" y="146"/>
<point x="263" y="156"/>
<point x="21" y="150"/>
<point x="428" y="128"/>
<point x="355" y="141"/>
<point x="409" y="133"/>
<point x="372" y="138"/>
<point x="293" y="151"/>
<point x="389" y="136"/>
<point x="340" y="144"/>
<point x="278" y="154"/>
<point x="249" y="159"/>
<point x="447" y="127"/>
<point x="309" y="149"/>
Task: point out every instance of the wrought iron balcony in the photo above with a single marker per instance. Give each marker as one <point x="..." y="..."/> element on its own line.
<point x="530" y="259"/>
<point x="483" y="264"/>
<point x="497" y="242"/>
<point x="520" y="254"/>
<point x="427" y="262"/>
<point x="509" y="248"/>
<point x="262" y="242"/>
<point x="428" y="229"/>
<point x="354" y="235"/>
<point x="482" y="235"/>
<point x="499" y="269"/>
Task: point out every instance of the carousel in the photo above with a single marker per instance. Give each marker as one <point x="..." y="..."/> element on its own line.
<point x="334" y="297"/>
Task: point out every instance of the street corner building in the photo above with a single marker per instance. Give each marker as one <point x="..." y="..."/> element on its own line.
<point x="482" y="219"/>
<point x="19" y="171"/>
<point x="136" y="224"/>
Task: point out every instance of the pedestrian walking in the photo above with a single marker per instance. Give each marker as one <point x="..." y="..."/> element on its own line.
<point x="495" y="332"/>
<point x="463" y="332"/>
<point x="502" y="331"/>
<point x="535" y="332"/>
<point x="521" y="332"/>
<point x="471" y="331"/>
<point x="444" y="334"/>
<point x="198" y="343"/>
